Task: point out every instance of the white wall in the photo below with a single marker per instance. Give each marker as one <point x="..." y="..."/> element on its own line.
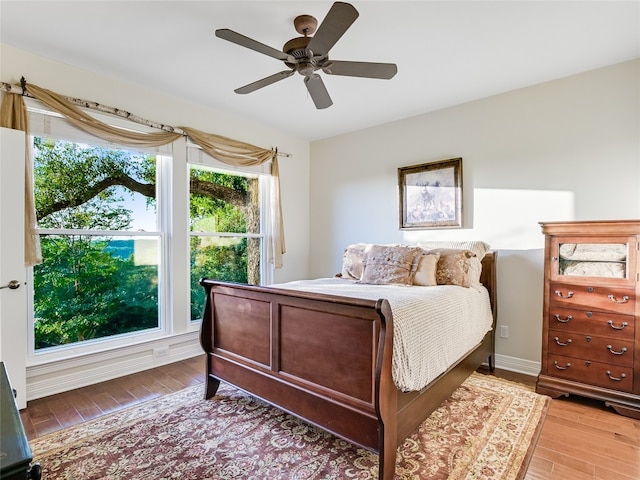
<point x="566" y="149"/>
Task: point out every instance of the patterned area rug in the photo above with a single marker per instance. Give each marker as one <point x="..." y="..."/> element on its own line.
<point x="486" y="430"/>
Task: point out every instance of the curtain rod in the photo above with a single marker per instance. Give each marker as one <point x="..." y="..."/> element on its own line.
<point x="20" y="90"/>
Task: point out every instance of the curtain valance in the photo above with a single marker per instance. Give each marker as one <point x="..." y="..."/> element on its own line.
<point x="13" y="114"/>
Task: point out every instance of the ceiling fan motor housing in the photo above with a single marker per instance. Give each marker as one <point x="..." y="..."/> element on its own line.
<point x="297" y="48"/>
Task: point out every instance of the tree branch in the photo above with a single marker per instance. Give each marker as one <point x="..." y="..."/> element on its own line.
<point x="199" y="187"/>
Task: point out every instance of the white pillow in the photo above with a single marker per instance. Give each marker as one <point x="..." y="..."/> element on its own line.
<point x="478" y="247"/>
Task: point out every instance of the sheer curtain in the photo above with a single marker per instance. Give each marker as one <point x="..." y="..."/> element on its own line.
<point x="13" y="114"/>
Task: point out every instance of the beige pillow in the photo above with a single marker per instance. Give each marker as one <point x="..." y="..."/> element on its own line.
<point x="454" y="266"/>
<point x="426" y="272"/>
<point x="390" y="264"/>
<point x="353" y="261"/>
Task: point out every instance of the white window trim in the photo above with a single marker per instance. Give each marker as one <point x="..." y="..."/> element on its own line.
<point x="63" y="369"/>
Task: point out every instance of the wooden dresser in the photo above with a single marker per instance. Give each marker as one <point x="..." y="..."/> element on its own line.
<point x="591" y="334"/>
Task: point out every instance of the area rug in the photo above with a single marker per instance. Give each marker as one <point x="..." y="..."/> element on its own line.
<point x="486" y="430"/>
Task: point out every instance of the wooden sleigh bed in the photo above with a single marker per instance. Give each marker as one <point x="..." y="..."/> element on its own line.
<point x="327" y="359"/>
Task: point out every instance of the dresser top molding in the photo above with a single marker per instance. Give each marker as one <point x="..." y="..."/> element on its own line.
<point x="596" y="227"/>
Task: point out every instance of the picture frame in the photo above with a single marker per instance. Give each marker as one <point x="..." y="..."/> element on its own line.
<point x="431" y="195"/>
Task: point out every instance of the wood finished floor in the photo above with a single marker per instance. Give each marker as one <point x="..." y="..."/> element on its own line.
<point x="580" y="438"/>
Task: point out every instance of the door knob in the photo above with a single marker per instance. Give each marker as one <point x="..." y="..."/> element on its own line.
<point x="13" y="284"/>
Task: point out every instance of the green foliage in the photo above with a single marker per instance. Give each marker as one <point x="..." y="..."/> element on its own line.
<point x="73" y="184"/>
<point x="83" y="292"/>
<point x="216" y="261"/>
<point x="211" y="214"/>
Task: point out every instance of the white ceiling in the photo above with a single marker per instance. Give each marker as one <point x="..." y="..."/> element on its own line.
<point x="447" y="52"/>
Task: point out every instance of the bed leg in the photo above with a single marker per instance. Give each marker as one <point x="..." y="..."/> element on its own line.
<point x="212" y="387"/>
<point x="387" y="464"/>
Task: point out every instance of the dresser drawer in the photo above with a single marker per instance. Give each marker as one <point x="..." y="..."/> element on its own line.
<point x="604" y="299"/>
<point x="595" y="323"/>
<point x="594" y="373"/>
<point x="592" y="347"/>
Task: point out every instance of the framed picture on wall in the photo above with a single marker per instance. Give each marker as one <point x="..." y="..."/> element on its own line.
<point x="431" y="195"/>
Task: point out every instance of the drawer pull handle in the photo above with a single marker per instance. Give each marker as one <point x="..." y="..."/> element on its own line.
<point x="610" y="322"/>
<point x="568" y="342"/>
<point x="563" y="320"/>
<point x="555" y="363"/>
<point x="617" y="379"/>
<point x="625" y="299"/>
<point x="624" y="349"/>
<point x="568" y="295"/>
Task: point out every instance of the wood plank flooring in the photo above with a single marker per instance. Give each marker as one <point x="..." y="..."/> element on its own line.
<point x="580" y="438"/>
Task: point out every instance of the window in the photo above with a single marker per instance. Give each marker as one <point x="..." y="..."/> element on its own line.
<point x="226" y="239"/>
<point x="127" y="235"/>
<point x="225" y="242"/>
<point x="97" y="218"/>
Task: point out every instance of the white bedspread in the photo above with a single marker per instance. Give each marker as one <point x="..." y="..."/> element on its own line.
<point x="433" y="326"/>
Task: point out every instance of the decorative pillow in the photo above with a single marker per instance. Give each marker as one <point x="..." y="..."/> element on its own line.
<point x="426" y="271"/>
<point x="390" y="264"/>
<point x="353" y="261"/>
<point x="454" y="266"/>
<point x="475" y="270"/>
<point x="478" y="247"/>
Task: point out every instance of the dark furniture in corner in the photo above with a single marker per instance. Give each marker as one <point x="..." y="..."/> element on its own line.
<point x="15" y="453"/>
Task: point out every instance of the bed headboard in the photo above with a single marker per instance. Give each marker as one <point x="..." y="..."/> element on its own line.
<point x="488" y="279"/>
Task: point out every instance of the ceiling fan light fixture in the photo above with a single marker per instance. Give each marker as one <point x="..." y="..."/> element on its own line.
<point x="306" y="68"/>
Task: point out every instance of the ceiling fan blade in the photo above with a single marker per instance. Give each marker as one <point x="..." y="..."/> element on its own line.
<point x="239" y="39"/>
<point x="338" y="20"/>
<point x="276" y="77"/>
<point x="318" y="91"/>
<point x="361" y="69"/>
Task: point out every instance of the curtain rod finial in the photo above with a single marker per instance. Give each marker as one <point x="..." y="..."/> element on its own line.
<point x="23" y="84"/>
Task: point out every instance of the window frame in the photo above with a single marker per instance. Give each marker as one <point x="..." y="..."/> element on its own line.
<point x="172" y="173"/>
<point x="197" y="157"/>
<point x="164" y="326"/>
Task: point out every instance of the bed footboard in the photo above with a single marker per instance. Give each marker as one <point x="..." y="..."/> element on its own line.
<point x="319" y="357"/>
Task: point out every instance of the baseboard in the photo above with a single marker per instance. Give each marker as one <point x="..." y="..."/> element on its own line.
<point x="61" y="376"/>
<point x="519" y="365"/>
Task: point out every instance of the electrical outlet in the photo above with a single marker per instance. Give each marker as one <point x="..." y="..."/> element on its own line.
<point x="504" y="331"/>
<point x="161" y="352"/>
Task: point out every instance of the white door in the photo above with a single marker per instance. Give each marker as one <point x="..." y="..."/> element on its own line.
<point x="13" y="301"/>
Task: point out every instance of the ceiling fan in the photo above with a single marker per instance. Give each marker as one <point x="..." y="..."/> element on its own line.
<point x="307" y="54"/>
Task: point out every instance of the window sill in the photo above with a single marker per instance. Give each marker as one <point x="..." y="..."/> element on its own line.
<point x="50" y="376"/>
